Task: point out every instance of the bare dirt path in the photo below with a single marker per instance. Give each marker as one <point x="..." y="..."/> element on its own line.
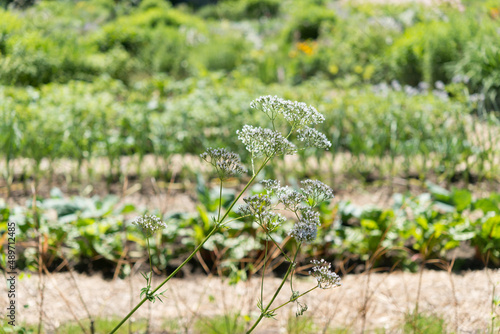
<point x="464" y="301"/>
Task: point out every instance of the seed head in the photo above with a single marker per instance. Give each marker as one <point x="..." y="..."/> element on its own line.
<point x="325" y="277"/>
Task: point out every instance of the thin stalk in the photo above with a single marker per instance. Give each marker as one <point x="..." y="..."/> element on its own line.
<point x="263" y="273"/>
<point x="220" y="200"/>
<point x="216" y="227"/>
<point x="415" y="315"/>
<point x="294" y="299"/>
<point x="277" y="245"/>
<point x="276" y="293"/>
<point x="150" y="265"/>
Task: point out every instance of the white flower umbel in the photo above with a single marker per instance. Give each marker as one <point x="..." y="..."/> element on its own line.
<point x="313" y="138"/>
<point x="290" y="198"/>
<point x="225" y="162"/>
<point x="264" y="142"/>
<point x="326" y="278"/>
<point x="316" y="191"/>
<point x="260" y="208"/>
<point x="298" y="114"/>
<point x="304" y="231"/>
<point x="150" y="224"/>
<point x="270" y="105"/>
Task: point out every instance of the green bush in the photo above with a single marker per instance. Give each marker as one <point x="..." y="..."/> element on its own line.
<point x="307" y="21"/>
<point x="120" y="34"/>
<point x="426" y="51"/>
<point x="220" y="52"/>
<point x="481" y="66"/>
<point x="241" y="9"/>
<point x="166" y="52"/>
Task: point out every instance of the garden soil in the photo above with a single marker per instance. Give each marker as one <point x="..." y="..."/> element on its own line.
<point x="464" y="301"/>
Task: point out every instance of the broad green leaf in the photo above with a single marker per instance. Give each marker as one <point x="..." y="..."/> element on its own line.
<point x="462" y="198"/>
<point x="369" y="224"/>
<point x="486" y="205"/>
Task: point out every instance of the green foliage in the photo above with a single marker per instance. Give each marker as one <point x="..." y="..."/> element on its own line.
<point x="302" y="324"/>
<point x="307" y="21"/>
<point x="220" y="53"/>
<point x="419" y="55"/>
<point x="481" y="65"/>
<point x="422" y="323"/>
<point x="241" y="10"/>
<point x="430" y="225"/>
<point x="223" y="324"/>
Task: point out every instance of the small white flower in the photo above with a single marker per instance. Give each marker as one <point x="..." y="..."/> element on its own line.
<point x="150" y="224"/>
<point x="316" y="191"/>
<point x="325" y="277"/>
<point x="313" y="138"/>
<point x="265" y="142"/>
<point x="298" y="114"/>
<point x="304" y="231"/>
<point x="259" y="207"/>
<point x="226" y="163"/>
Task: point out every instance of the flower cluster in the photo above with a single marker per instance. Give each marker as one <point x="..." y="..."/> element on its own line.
<point x="270" y="105"/>
<point x="265" y="142"/>
<point x="226" y="163"/>
<point x="290" y="198"/>
<point x="298" y="114"/>
<point x="259" y="207"/>
<point x="313" y="138"/>
<point x="150" y="224"/>
<point x="316" y="191"/>
<point x="306" y="229"/>
<point x="325" y="277"/>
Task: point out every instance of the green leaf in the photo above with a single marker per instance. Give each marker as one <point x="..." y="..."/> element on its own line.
<point x="369" y="224"/>
<point x="439" y="193"/>
<point x="204" y="217"/>
<point x="462" y="199"/>
<point x="486" y="205"/>
<point x="491" y="228"/>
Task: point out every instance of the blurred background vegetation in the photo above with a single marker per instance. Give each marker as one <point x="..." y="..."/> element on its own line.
<point x="409" y="93"/>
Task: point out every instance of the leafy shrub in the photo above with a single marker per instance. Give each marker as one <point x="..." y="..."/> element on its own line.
<point x="166" y="52"/>
<point x="220" y="52"/>
<point x="481" y="65"/>
<point x="426" y="51"/>
<point x="119" y="34"/>
<point x="306" y="22"/>
<point x="241" y="10"/>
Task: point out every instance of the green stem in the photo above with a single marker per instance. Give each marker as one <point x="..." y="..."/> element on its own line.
<point x="167" y="279"/>
<point x="220" y="200"/>
<point x="294" y="299"/>
<point x="216" y="227"/>
<point x="263" y="273"/>
<point x="277" y="245"/>
<point x="276" y="293"/>
<point x="150" y="265"/>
